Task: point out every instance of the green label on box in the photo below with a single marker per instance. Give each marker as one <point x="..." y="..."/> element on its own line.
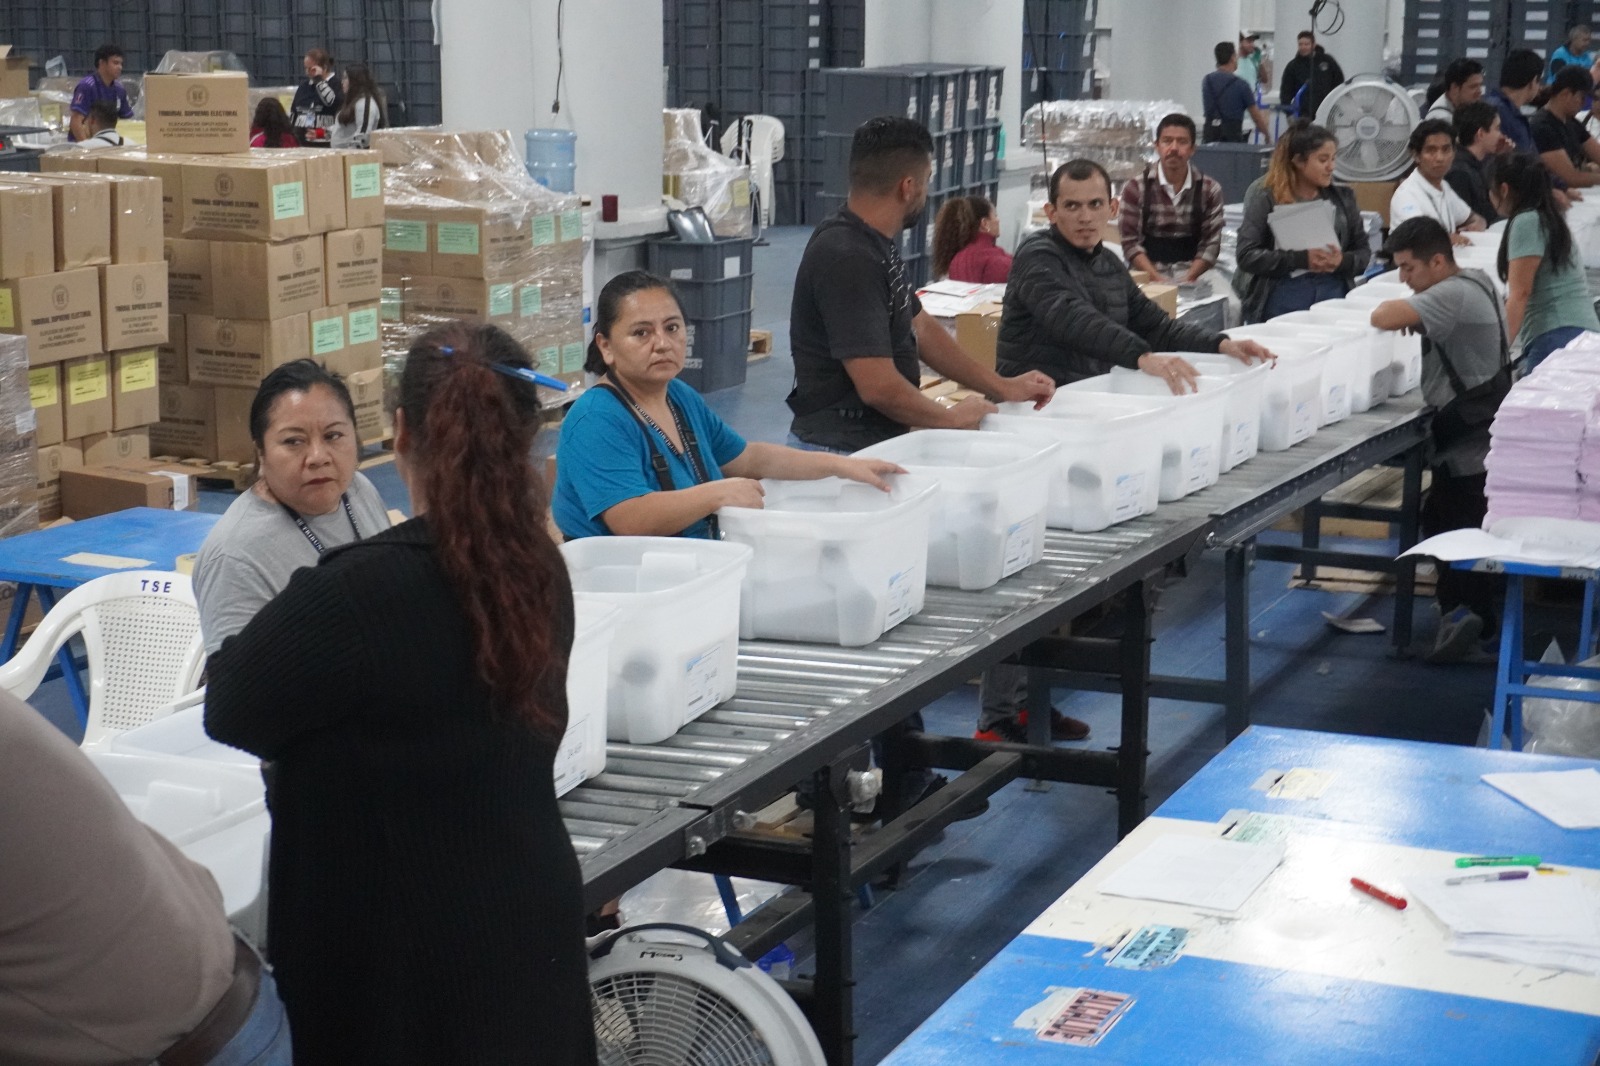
<point x="389" y="300"/>
<point x="456" y="238"/>
<point x="549" y="360"/>
<point x="405" y="236"/>
<point x="544" y="229"/>
<point x="532" y="300"/>
<point x="571" y="226"/>
<point x="289" y="200"/>
<point x="366" y="179"/>
<point x="500" y="301"/>
<point x="327" y="335"/>
<point x="571" y="358"/>
<point x="364" y="326"/>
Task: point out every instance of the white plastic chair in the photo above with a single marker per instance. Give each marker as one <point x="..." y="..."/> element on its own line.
<point x="757" y="140"/>
<point x="141" y="630"/>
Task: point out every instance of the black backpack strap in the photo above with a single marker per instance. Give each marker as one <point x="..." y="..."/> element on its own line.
<point x="1450" y="372"/>
<point x="1144" y="206"/>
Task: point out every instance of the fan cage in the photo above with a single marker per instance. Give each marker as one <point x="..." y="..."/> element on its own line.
<point x="1373" y="123"/>
<point x="660" y="1019"/>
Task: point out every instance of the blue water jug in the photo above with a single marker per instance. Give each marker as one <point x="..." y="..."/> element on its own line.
<point x="552" y="160"/>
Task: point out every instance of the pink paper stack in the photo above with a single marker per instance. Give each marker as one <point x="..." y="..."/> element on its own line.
<point x="1544" y="455"/>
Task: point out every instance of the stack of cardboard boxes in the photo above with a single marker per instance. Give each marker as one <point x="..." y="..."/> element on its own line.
<point x="469" y="235"/>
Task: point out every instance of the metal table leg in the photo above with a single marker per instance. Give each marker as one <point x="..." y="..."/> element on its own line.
<point x="834" y="1007"/>
<point x="1509" y="670"/>
<point x="1405" y="577"/>
<point x="19" y="610"/>
<point x="64" y="659"/>
<point x="1133" y="750"/>
<point x="1310" y="537"/>
<point x="1236" y="630"/>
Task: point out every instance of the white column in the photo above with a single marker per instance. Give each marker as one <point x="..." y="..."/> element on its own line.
<point x="499" y="61"/>
<point x="1358" y="45"/>
<point x="984" y="33"/>
<point x="1163" y="51"/>
<point x="897" y="31"/>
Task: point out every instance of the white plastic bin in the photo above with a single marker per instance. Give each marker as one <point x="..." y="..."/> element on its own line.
<point x="1292" y="399"/>
<point x="833" y="561"/>
<point x="1191" y="427"/>
<point x="989" y="513"/>
<point x="1109" y="467"/>
<point x="675" y="650"/>
<point x="1369" y="350"/>
<point x="182" y="733"/>
<point x="1337" y="368"/>
<point x="582" y="754"/>
<point x="1245" y="398"/>
<point x="1405" y="350"/>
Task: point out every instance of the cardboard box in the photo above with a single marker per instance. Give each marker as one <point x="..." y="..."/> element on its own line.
<point x="354" y="268"/>
<point x="82" y="216"/>
<point x="976" y="333"/>
<point x="406" y="239"/>
<point x="58" y="313"/>
<point x="1164" y="296"/>
<point x="53" y="459"/>
<point x="70" y="160"/>
<point x="44" y="390"/>
<point x="13" y="74"/>
<point x="1375" y="196"/>
<point x="86" y="396"/>
<point x="363" y="203"/>
<point x="188" y="276"/>
<point x="168" y="168"/>
<point x="247" y="199"/>
<point x="104" y="449"/>
<point x="372" y="417"/>
<point x="267" y="280"/>
<point x="205" y="113"/>
<point x="27" y="231"/>
<point x="326" y="336"/>
<point x="135" y="213"/>
<point x="432" y="300"/>
<point x="172" y="358"/>
<point x="325" y="179"/>
<point x="133" y="305"/>
<point x="363" y="337"/>
<point x="135" y="389"/>
<point x="198" y="421"/>
<point x="96" y="490"/>
<point x="471" y="241"/>
<point x="241" y="351"/>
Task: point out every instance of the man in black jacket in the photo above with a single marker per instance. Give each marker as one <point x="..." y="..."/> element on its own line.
<point x="1071" y="308"/>
<point x="1312" y="68"/>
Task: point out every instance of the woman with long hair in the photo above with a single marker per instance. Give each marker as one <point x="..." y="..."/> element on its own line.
<point x="410" y="692"/>
<point x="1273" y="281"/>
<point x="364" y="109"/>
<point x="964" y="248"/>
<point x="270" y="127"/>
<point x="1548" y="301"/>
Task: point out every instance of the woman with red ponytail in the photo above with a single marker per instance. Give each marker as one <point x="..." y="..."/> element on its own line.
<point x="410" y="693"/>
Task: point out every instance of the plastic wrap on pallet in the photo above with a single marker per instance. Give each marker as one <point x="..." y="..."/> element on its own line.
<point x="19" y="452"/>
<point x="1118" y="134"/>
<point x="29" y="111"/>
<point x="701" y="177"/>
<point x="176" y="62"/>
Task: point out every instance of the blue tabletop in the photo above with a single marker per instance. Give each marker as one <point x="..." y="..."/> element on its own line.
<point x="156" y="537"/>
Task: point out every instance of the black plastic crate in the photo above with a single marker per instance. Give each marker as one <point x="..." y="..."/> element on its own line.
<point x="833" y="170"/>
<point x="718" y="352"/>
<point x="853" y="96"/>
<point x="949" y="155"/>
<point x="717" y="261"/>
<point x="714" y="299"/>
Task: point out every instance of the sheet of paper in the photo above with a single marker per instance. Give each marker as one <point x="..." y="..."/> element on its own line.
<point x="1541" y="548"/>
<point x="1300" y="226"/>
<point x="1569" y="798"/>
<point x="104" y="562"/>
<point x="1196" y="871"/>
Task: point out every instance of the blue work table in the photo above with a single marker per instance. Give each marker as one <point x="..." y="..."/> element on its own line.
<point x="1309" y="970"/>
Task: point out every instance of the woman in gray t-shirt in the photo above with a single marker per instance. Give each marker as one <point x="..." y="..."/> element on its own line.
<point x="308" y="499"/>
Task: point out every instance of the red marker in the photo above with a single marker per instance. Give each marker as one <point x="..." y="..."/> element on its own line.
<point x="1379" y="894"/>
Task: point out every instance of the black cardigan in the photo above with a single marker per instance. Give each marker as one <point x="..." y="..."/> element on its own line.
<point x="426" y="904"/>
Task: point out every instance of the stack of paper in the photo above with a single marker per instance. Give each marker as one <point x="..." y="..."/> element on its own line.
<point x="1196" y="871"/>
<point x="1569" y="798"/>
<point x="1551" y="921"/>
<point x="1537" y="447"/>
<point x="1302" y="226"/>
<point x="946" y="299"/>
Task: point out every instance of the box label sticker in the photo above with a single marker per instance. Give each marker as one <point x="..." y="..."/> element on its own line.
<point x="44" y="386"/>
<point x="571" y="226"/>
<point x="731" y="267"/>
<point x="456" y="238"/>
<point x="289" y="200"/>
<point x="530" y="301"/>
<point x="1150" y="947"/>
<point x="1199" y="466"/>
<point x="1337" y="405"/>
<point x="1127" y="500"/>
<point x="327" y="335"/>
<point x="27" y="422"/>
<point x="700" y="680"/>
<point x="901" y="587"/>
<point x="401" y="236"/>
<point x="500" y="300"/>
<point x="741" y="193"/>
<point x="366" y="179"/>
<point x="549" y="359"/>
<point x="8" y="317"/>
<point x="1018" y="548"/>
<point x="180" y="488"/>
<point x="544" y="229"/>
<point x="1304" y="422"/>
<point x="1077" y="1016"/>
<point x="87" y="382"/>
<point x="364" y="326"/>
<point x="572" y="358"/>
<point x="137" y="372"/>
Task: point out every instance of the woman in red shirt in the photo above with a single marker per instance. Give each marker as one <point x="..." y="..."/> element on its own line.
<point x="270" y="128"/>
<point x="964" y="246"/>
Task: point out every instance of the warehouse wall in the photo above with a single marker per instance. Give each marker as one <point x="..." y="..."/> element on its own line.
<point x="1147" y="61"/>
<point x="986" y="32"/>
<point x="899" y="31"/>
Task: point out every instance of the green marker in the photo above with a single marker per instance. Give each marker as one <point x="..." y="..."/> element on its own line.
<point x="1498" y="860"/>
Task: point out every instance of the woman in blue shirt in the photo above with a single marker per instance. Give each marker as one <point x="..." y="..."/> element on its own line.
<point x="642" y="454"/>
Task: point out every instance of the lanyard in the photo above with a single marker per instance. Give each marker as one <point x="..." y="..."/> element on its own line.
<point x="310" y="535"/>
<point x="658" y="462"/>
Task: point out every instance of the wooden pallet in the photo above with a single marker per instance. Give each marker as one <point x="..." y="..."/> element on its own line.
<point x="760" y="345"/>
<point x="1382" y="486"/>
<point x="216" y="472"/>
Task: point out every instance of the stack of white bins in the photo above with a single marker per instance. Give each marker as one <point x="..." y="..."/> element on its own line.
<point x="1404" y="349"/>
<point x="1191" y="425"/>
<point x="1298" y="388"/>
<point x="582" y="754"/>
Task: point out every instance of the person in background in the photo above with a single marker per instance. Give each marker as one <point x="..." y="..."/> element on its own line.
<point x="1463" y="84"/>
<point x="318" y="100"/>
<point x="1171" y="216"/>
<point x="964" y="242"/>
<point x="1425" y="193"/>
<point x="103" y="84"/>
<point x="1548" y="301"/>
<point x="1228" y="98"/>
<point x="1574" y="53"/>
<point x="1273" y="281"/>
<point x="364" y="109"/>
<point x="1478" y="138"/>
<point x="1254" y="67"/>
<point x="1311" y="69"/>
<point x="308" y="499"/>
<point x="1520" y="77"/>
<point x="1464" y="348"/>
<point x="856" y="327"/>
<point x="270" y="127"/>
<point x="642" y="454"/>
<point x="426" y="904"/>
<point x="1562" y="141"/>
<point x="114" y="946"/>
<point x="100" y="125"/>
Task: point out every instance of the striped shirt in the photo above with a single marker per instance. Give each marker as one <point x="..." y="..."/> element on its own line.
<point x="1171" y="217"/>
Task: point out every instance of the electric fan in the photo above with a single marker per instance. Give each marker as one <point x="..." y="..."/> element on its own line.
<point x="659" y="1001"/>
<point x="1373" y="120"/>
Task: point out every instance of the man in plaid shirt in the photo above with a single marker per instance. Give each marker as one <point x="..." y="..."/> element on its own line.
<point x="1171" y="217"/>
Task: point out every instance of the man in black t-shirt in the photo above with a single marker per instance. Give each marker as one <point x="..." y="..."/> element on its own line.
<point x="1562" y="142"/>
<point x="856" y="328"/>
<point x="1478" y="139"/>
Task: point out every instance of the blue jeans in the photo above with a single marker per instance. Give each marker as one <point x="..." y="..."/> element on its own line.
<point x="1547" y="342"/>
<point x="807" y="446"/>
<point x="263" y="1039"/>
<point x="1298" y="294"/>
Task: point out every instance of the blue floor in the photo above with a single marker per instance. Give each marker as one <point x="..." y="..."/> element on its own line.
<point x="975" y="890"/>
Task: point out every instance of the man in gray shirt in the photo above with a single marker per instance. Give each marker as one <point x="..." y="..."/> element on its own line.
<point x="1464" y="352"/>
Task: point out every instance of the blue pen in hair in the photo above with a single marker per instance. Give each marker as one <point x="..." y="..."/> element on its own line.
<point x="521" y="372"/>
